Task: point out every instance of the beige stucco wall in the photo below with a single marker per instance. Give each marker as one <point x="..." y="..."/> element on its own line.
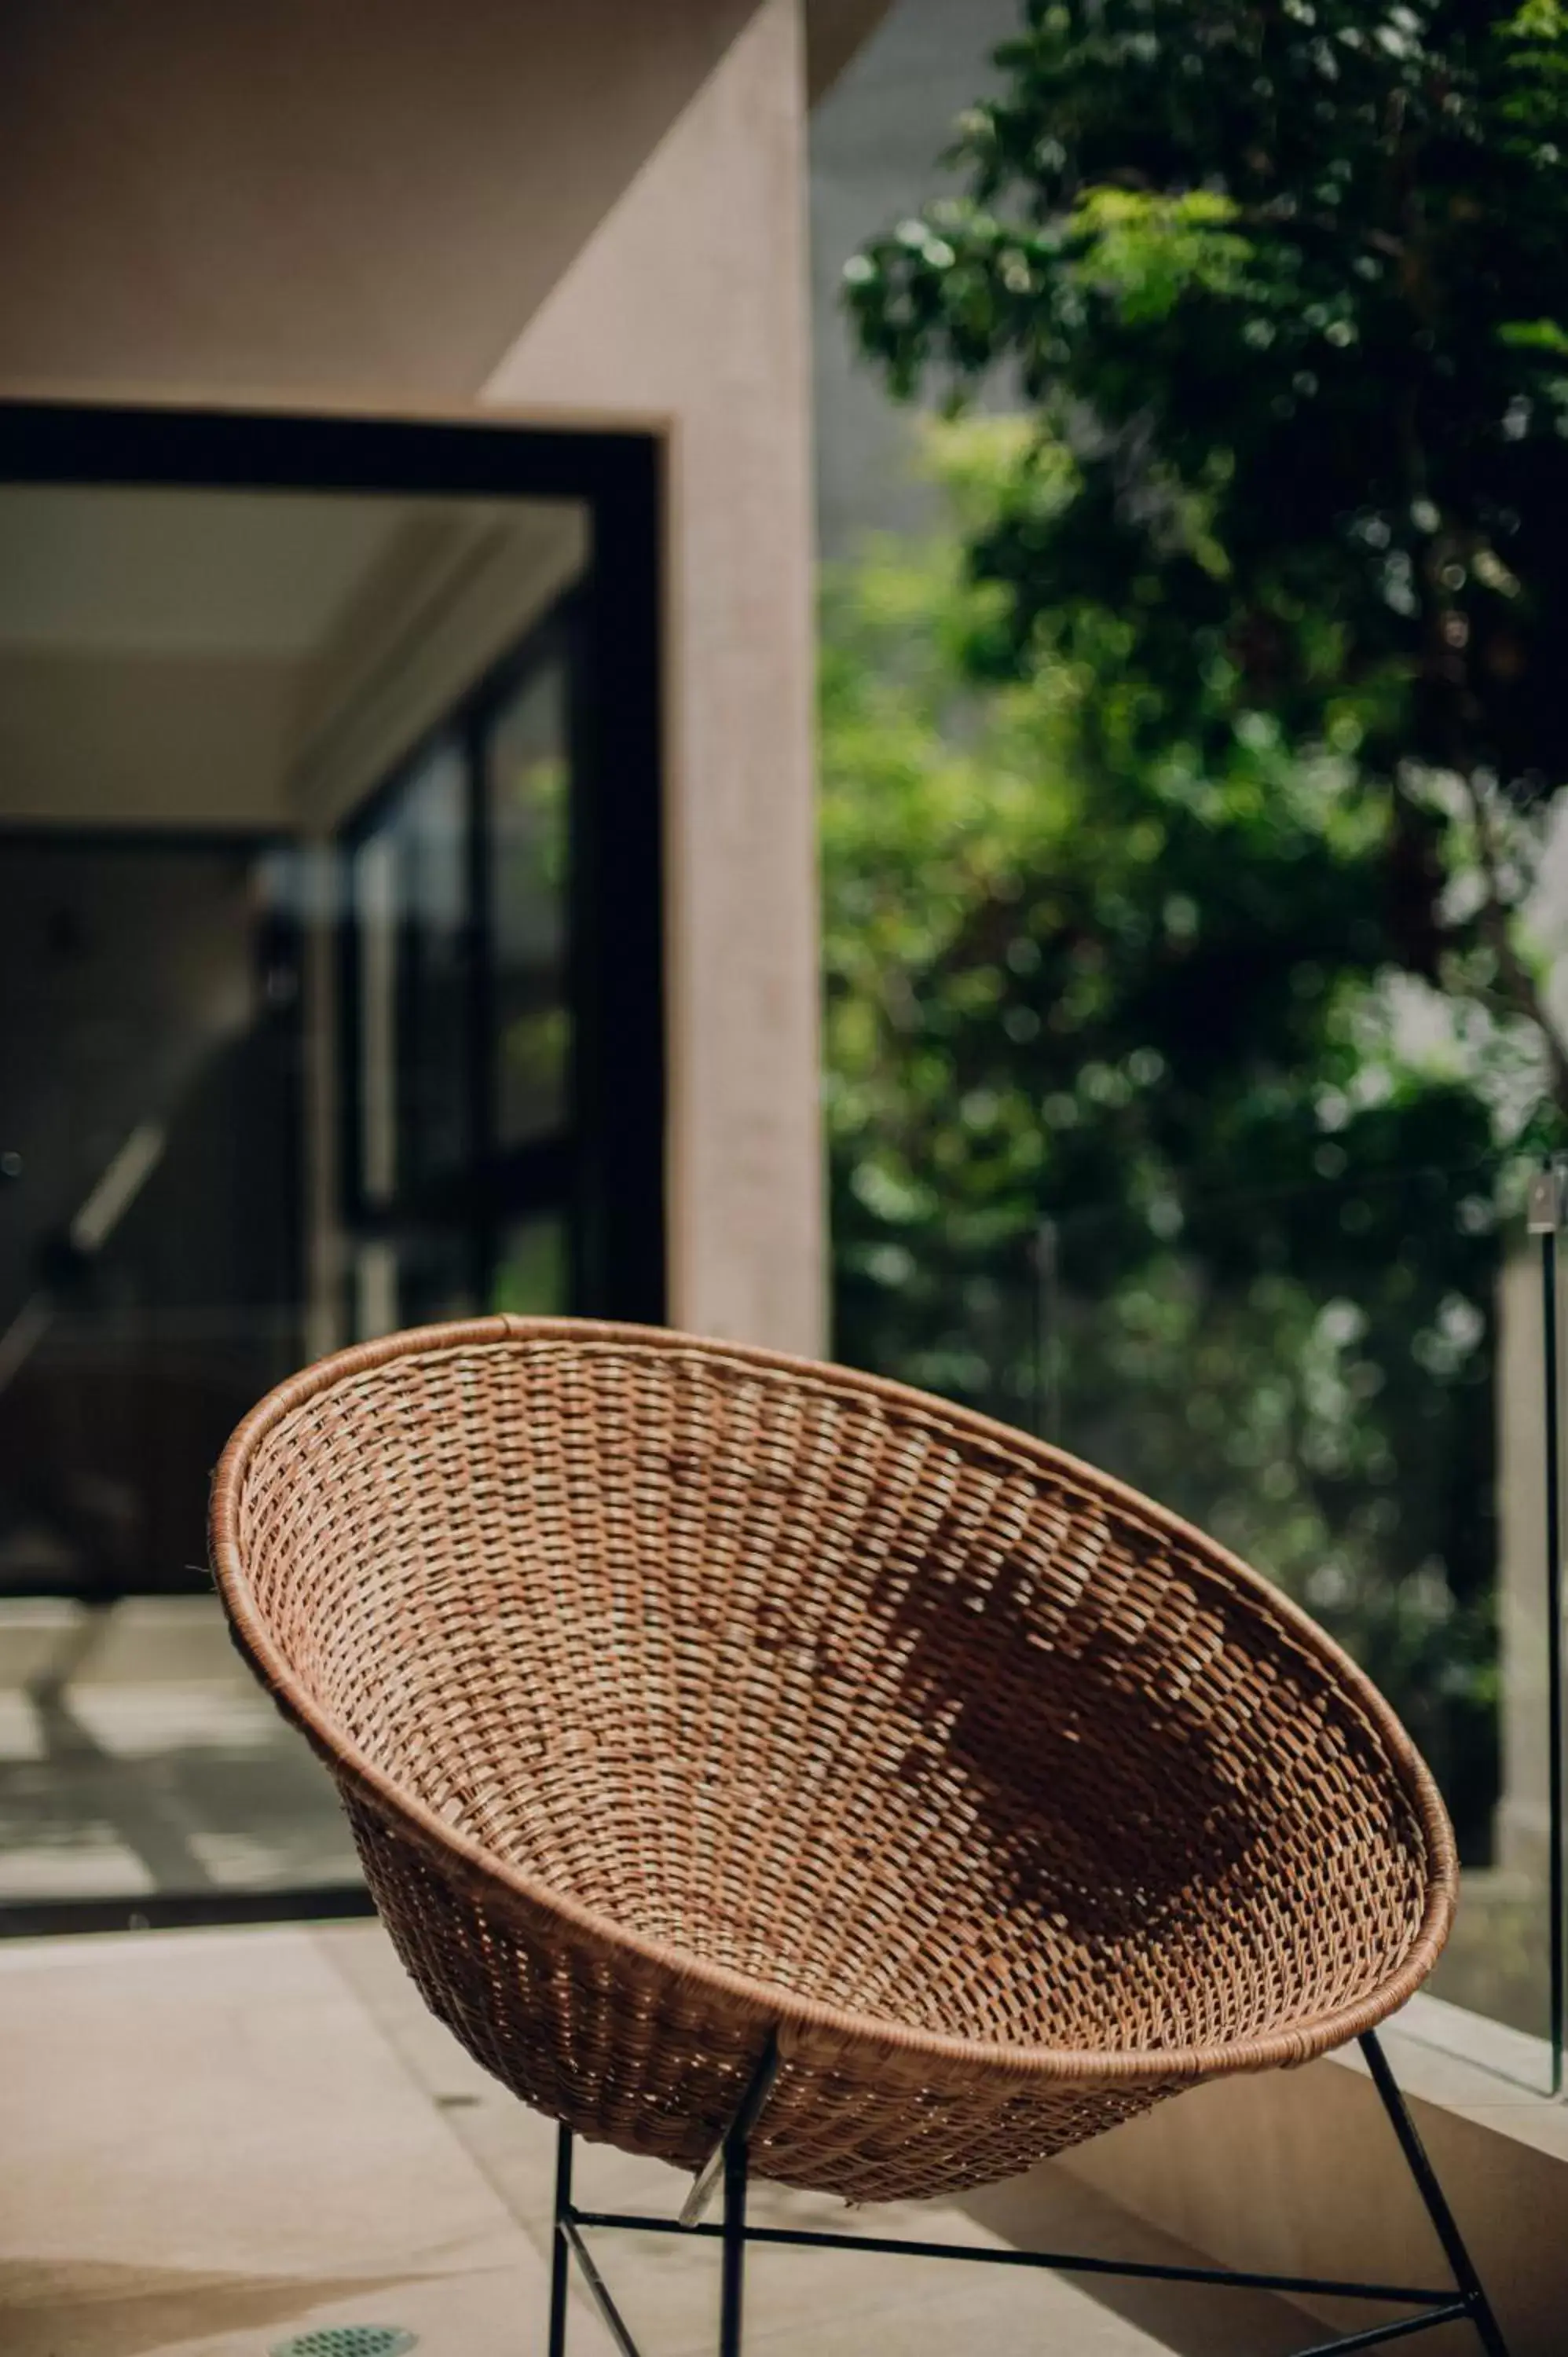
<point x="358" y="202"/>
<point x="689" y="303"/>
<point x="1297" y="2172"/>
<point x="361" y="208"/>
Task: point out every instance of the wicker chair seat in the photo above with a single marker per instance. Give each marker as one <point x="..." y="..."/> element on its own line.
<point x="681" y="1695"/>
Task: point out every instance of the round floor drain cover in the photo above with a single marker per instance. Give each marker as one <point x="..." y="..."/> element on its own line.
<point x="348" y="2340"/>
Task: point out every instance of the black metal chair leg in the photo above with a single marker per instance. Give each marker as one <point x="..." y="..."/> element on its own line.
<point x="732" y="2277"/>
<point x="1444" y="2224"/>
<point x="730" y="2160"/>
<point x="749" y="2111"/>
<point x="559" y="2246"/>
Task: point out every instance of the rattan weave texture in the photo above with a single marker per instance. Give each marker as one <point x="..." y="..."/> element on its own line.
<point x="680" y="1693"/>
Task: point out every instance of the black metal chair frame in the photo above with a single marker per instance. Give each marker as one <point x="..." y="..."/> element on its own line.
<point x="729" y="2162"/>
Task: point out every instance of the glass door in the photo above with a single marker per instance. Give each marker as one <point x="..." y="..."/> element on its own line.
<point x="240" y="656"/>
<point x="525" y="817"/>
<point x="466" y="1034"/>
<point x="415" y="1257"/>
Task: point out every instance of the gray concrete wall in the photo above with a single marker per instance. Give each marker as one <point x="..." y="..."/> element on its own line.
<point x="874" y="142"/>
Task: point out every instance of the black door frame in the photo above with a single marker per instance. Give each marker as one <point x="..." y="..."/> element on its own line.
<point x="491" y="1184"/>
<point x="618" y="839"/>
<point x="618" y="844"/>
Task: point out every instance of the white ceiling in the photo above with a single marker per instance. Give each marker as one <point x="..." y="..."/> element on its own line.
<point x="228" y="657"/>
<point x="191" y="573"/>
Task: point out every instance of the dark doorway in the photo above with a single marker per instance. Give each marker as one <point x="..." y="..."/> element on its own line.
<point x="150" y="1245"/>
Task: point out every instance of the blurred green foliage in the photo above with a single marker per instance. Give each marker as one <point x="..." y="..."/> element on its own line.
<point x="1152" y="1007"/>
<point x="1283" y="287"/>
<point x="1184" y="801"/>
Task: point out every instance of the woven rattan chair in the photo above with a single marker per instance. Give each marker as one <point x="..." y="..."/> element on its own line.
<point x="749" y="1758"/>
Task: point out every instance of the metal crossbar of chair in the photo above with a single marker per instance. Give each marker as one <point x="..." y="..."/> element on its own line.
<point x="728" y="2165"/>
<point x="684" y="1694"/>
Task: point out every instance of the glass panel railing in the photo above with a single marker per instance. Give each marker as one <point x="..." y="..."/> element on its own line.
<point x="1341" y="1378"/>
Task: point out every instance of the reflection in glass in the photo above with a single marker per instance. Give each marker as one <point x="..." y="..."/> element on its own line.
<point x="150" y="1280"/>
<point x="410" y="907"/>
<point x="418" y="1279"/>
<point x="529" y="782"/>
<point x="170" y="1078"/>
<point x="150" y="1256"/>
<point x="532" y="1271"/>
<point x="1341" y="1380"/>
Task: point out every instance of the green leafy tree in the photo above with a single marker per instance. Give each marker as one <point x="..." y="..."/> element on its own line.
<point x="1282" y="282"/>
<point x="1139" y="1002"/>
<point x="1192" y="949"/>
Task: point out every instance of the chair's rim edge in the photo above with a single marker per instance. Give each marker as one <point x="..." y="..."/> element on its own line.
<point x="799" y="2019"/>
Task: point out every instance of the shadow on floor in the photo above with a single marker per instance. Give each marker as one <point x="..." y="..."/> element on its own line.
<point x="1050" y="2208"/>
<point x="185" y="1788"/>
<point x="90" y="2307"/>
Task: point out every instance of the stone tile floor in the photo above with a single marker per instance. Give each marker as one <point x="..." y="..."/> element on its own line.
<point x="138" y="1756"/>
<point x="211" y="2140"/>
